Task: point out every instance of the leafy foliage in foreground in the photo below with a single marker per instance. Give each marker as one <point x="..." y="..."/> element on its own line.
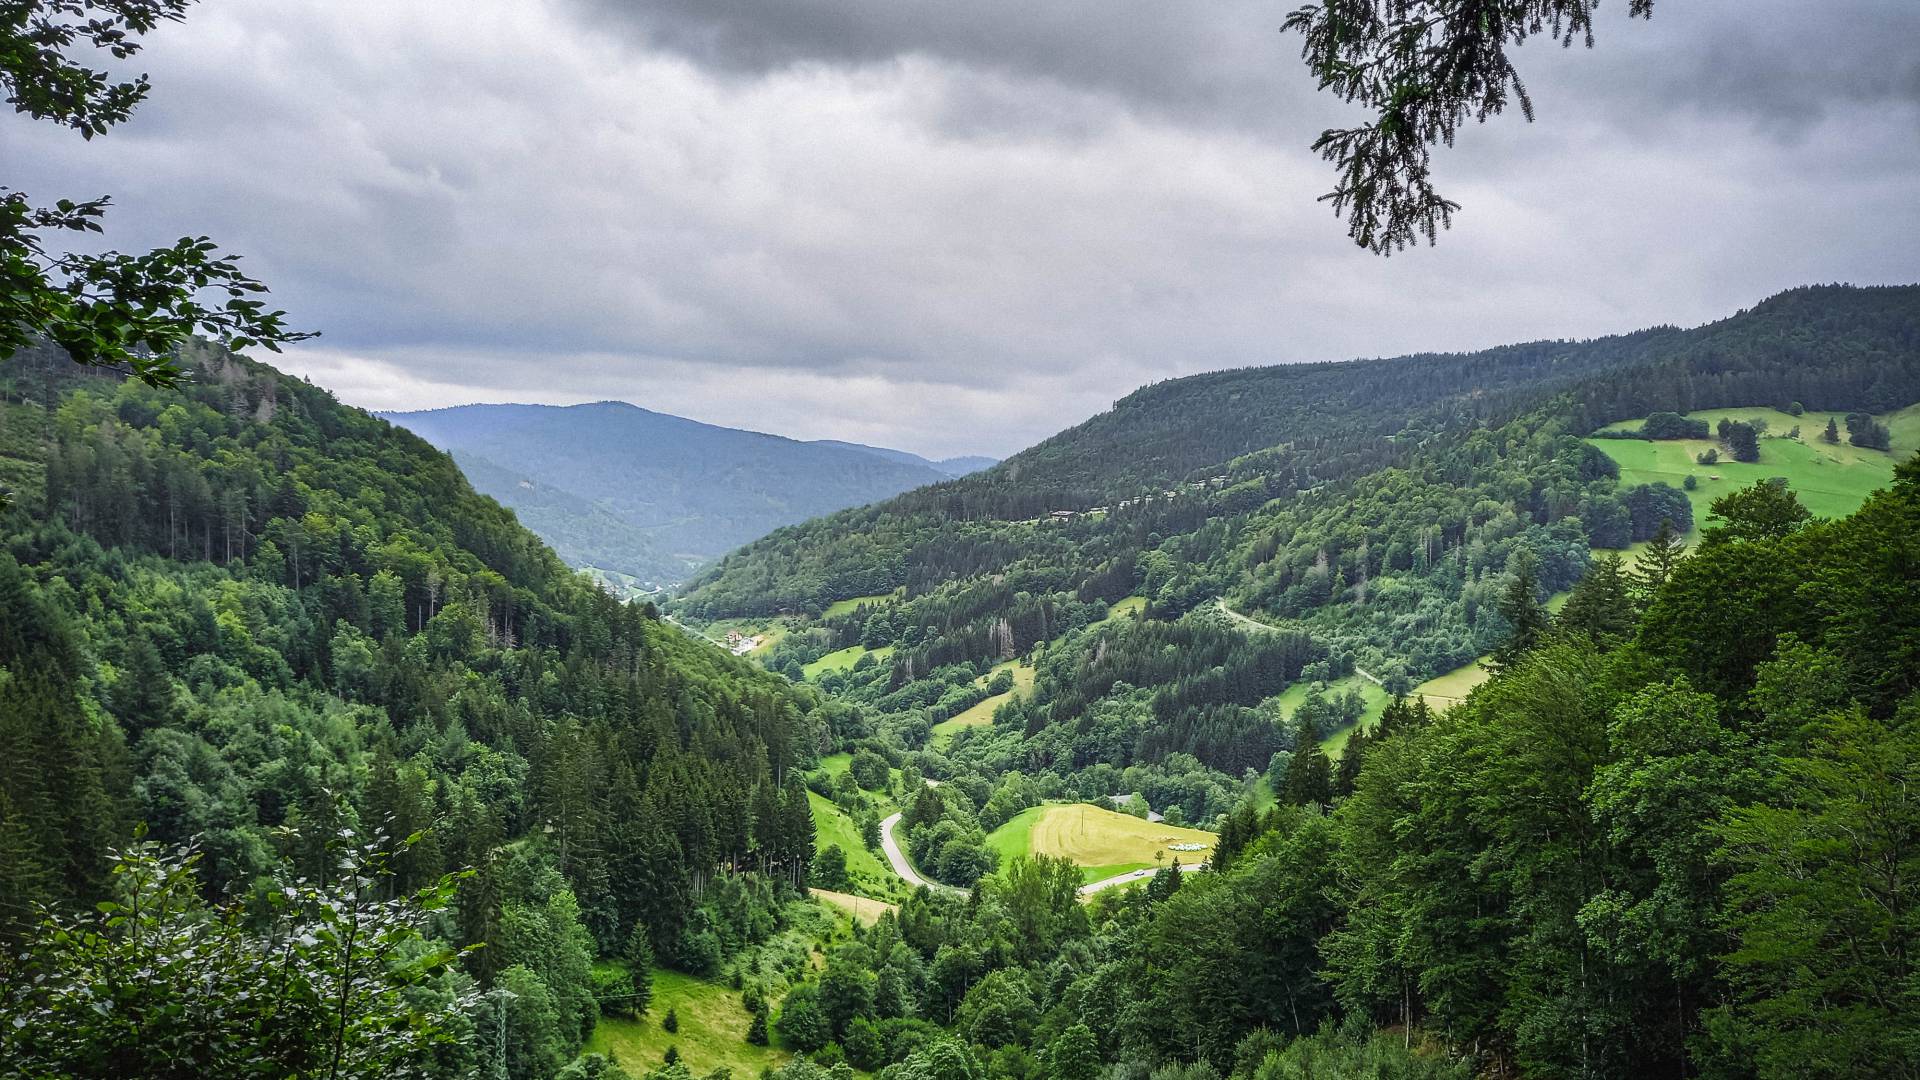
<point x="301" y="978"/>
<point x="109" y="309"/>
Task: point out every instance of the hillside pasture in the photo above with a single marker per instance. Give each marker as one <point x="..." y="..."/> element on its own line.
<point x="864" y="910"/>
<point x="854" y="603"/>
<point x="1832" y="480"/>
<point x="844" y="659"/>
<point x="1101" y="842"/>
<point x="712" y="1035"/>
<point x="980" y="714"/>
<point x="869" y="874"/>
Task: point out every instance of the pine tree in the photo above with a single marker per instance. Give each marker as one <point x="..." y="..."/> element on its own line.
<point x="1351" y="758"/>
<point x="1832" y="434"/>
<point x="1309" y="778"/>
<point x="1656" y="563"/>
<point x="143" y="696"/>
<point x="1601" y="606"/>
<point x="757" y="1029"/>
<point x="1527" y="620"/>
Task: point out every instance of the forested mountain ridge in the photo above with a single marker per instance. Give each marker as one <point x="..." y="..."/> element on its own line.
<point x="242" y="616"/>
<point x="687" y="491"/>
<point x="1275" y="598"/>
<point x="1210" y="449"/>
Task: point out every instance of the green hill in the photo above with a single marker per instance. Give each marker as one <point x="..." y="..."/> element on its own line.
<point x="1359" y="517"/>
<point x="241" y="616"/>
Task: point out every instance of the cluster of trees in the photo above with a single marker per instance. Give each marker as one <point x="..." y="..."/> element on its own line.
<point x="1742" y="439"/>
<point x="1864" y="430"/>
<point x="240" y="616"/>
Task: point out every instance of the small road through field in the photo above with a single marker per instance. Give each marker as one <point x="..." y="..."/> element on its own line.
<point x="1092" y="887"/>
<point x="898" y="858"/>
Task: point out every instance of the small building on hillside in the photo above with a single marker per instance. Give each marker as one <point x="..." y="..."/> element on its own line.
<point x="1121" y="802"/>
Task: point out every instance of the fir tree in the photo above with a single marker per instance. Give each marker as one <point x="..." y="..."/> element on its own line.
<point x="1527" y="619"/>
<point x="1656" y="563"/>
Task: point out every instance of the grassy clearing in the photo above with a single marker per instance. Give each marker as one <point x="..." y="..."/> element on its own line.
<point x="864" y="910"/>
<point x="980" y="714"/>
<point x="1260" y="791"/>
<point x="854" y="603"/>
<point x="832" y="825"/>
<point x="712" y="1035"/>
<point x="1376" y="701"/>
<point x="1905" y="429"/>
<point x="1832" y="480"/>
<point x="1023" y="674"/>
<point x="1443" y="691"/>
<point x="843" y="660"/>
<point x="1102" y="842"/>
<point x="1125" y="608"/>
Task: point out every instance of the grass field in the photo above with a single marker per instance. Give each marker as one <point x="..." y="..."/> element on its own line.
<point x="981" y="713"/>
<point x="1443" y="691"/>
<point x="865" y="911"/>
<point x="843" y="660"/>
<point x="1832" y="480"/>
<point x="1102" y="842"/>
<point x="832" y="825"/>
<point x="712" y="1035"/>
<point x="1905" y="428"/>
<point x="852" y="604"/>
<point x="1335" y="741"/>
<point x="1121" y="609"/>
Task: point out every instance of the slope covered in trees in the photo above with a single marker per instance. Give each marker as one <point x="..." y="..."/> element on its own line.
<point x="1228" y="444"/>
<point x="1195" y="643"/>
<point x="1676" y="835"/>
<point x="240" y="616"/>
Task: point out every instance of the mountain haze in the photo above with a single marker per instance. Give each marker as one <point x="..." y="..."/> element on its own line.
<point x="953" y="466"/>
<point x="624" y="488"/>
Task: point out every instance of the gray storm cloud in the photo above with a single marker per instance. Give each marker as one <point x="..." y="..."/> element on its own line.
<point x="959" y="228"/>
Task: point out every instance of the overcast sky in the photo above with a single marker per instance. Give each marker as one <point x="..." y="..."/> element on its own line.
<point x="959" y="227"/>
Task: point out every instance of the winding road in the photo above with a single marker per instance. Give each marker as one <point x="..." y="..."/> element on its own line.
<point x="1256" y="624"/>
<point x="898" y="859"/>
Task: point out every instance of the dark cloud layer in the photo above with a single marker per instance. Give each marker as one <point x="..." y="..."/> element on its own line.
<point x="960" y="227"/>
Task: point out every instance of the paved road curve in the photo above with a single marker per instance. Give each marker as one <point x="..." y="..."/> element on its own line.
<point x="1092" y="887"/>
<point x="899" y="859"/>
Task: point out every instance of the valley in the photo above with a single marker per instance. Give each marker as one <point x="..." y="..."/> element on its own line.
<point x="392" y="686"/>
<point x="861" y="785"/>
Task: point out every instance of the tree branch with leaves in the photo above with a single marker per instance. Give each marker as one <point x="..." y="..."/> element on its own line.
<point x="1425" y="67"/>
<point x="114" y="310"/>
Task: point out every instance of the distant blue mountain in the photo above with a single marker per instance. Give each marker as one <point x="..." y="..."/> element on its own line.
<point x="953" y="466"/>
<point x="624" y="488"/>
